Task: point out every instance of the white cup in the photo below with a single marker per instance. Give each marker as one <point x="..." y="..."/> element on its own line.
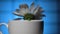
<point x="25" y="27"/>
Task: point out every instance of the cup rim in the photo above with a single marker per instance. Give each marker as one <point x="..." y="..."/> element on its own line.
<point x="25" y="20"/>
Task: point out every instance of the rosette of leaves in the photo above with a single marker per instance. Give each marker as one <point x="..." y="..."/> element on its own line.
<point x="31" y="13"/>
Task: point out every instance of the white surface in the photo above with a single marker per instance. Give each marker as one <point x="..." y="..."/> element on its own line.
<point x="24" y="27"/>
<point x="0" y="32"/>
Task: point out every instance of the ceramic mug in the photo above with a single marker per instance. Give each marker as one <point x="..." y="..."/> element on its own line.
<point x="25" y="27"/>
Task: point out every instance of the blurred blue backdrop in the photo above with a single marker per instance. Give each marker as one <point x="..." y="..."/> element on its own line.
<point x="49" y="6"/>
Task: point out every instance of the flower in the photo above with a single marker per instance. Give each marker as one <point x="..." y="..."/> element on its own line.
<point x="29" y="13"/>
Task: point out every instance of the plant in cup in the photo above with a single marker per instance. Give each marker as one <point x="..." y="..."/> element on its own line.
<point x="32" y="13"/>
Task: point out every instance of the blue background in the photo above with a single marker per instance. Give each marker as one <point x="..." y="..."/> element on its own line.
<point x="49" y="6"/>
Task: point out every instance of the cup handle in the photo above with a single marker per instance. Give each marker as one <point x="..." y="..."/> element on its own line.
<point x="4" y="24"/>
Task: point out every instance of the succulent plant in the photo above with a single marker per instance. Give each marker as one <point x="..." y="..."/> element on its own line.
<point x="29" y="13"/>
